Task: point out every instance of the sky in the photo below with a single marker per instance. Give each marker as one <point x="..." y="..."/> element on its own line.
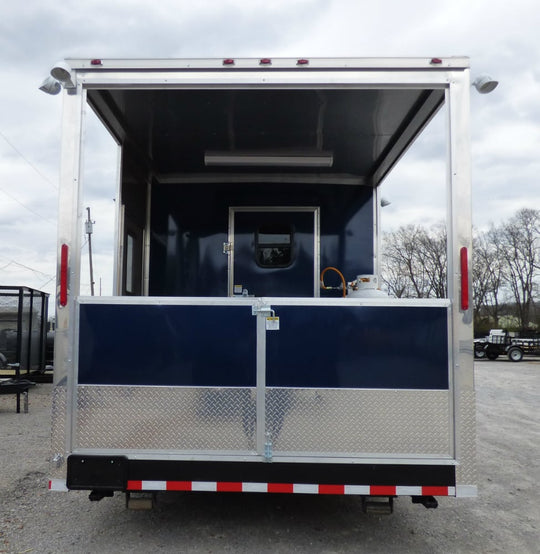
<point x="501" y="39"/>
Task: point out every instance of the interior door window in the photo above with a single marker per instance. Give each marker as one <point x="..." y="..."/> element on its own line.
<point x="274" y="246"/>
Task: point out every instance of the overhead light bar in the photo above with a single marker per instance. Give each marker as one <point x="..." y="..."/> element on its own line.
<point x="316" y="158"/>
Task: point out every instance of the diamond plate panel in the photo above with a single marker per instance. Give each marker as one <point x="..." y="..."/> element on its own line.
<point x="359" y="421"/>
<point x="57" y="464"/>
<point x="163" y="418"/>
<point x="466" y="424"/>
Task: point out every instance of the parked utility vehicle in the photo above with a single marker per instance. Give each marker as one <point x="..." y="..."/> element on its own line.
<point x="500" y="342"/>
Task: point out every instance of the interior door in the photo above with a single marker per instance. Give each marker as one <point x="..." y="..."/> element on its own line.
<point x="275" y="251"/>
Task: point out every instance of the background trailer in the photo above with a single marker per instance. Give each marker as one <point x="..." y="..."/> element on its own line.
<point x="221" y="362"/>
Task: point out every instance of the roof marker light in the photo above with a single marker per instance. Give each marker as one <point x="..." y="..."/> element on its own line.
<point x="265" y="61"/>
<point x="228" y="61"/>
<point x="302" y="62"/>
<point x="435" y="61"/>
<point x="96" y="62"/>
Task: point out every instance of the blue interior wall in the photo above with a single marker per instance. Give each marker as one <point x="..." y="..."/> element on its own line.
<point x="189" y="225"/>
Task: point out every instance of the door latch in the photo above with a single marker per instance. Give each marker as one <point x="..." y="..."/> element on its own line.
<point x="262" y="309"/>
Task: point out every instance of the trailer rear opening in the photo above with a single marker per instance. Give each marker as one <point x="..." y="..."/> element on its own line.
<point x="246" y="347"/>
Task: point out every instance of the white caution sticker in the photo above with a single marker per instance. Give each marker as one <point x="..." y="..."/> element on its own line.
<point x="272" y="323"/>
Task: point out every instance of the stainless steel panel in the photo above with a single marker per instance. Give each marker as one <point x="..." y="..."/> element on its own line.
<point x="359" y="422"/>
<point x="58" y="433"/>
<point x="163" y="418"/>
<point x="466" y="469"/>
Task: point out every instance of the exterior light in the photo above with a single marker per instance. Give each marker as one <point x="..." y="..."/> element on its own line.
<point x="62" y="72"/>
<point x="484" y="84"/>
<point x="50" y="86"/>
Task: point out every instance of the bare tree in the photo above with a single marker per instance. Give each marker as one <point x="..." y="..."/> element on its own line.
<point x="506" y="265"/>
<point x="488" y="272"/>
<point x="520" y="244"/>
<point x="433" y="253"/>
<point x="414" y="262"/>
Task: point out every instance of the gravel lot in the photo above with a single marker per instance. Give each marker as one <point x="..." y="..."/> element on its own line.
<point x="505" y="517"/>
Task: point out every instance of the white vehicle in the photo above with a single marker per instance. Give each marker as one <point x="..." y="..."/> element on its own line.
<point x="221" y="363"/>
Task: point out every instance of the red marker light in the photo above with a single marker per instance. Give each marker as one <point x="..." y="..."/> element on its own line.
<point x="435" y="61"/>
<point x="64" y="275"/>
<point x="228" y="61"/>
<point x="95" y="62"/>
<point x="302" y="62"/>
<point x="464" y="262"/>
<point x="265" y="61"/>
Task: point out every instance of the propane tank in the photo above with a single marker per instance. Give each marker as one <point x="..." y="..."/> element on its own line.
<point x="365" y="286"/>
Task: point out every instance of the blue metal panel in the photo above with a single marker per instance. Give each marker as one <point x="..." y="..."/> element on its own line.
<point x="359" y="347"/>
<point x="167" y="345"/>
<point x="190" y="225"/>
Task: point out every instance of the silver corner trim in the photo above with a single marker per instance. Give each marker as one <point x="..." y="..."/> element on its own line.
<point x="466" y="491"/>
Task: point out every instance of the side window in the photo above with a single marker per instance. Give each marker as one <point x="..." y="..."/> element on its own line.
<point x="274" y="246"/>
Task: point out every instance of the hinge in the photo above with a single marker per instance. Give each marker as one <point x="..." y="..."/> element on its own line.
<point x="268" y="447"/>
<point x="227" y="247"/>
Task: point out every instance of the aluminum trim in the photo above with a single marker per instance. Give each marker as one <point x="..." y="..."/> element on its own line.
<point x="230" y="253"/>
<point x="270" y="209"/>
<point x="466" y="491"/>
<point x="118" y="224"/>
<point x="249" y="456"/>
<point x="69" y="233"/>
<point x="351" y="79"/>
<point x="272" y="301"/>
<point x="204" y="387"/>
<point x="261" y="384"/>
<point x="146" y="241"/>
<point x="341" y="63"/>
<point x="459" y="231"/>
<point x="317" y="252"/>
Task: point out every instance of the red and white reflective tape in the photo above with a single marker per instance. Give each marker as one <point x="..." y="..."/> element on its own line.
<point x="57" y="485"/>
<point x="289" y="488"/>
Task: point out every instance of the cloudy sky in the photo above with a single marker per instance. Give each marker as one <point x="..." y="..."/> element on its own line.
<point x="500" y="38"/>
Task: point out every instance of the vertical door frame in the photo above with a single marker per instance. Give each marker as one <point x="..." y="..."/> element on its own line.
<point x="268" y="209"/>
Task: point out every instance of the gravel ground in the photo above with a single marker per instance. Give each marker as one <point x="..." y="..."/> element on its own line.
<point x="504" y="518"/>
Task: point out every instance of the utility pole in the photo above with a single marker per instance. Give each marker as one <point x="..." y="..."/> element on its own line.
<point x="89" y="230"/>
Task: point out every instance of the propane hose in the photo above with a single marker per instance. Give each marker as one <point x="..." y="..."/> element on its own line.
<point x="344" y="284"/>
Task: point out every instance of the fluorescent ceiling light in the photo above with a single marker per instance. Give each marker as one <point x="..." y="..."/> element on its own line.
<point x="315" y="158"/>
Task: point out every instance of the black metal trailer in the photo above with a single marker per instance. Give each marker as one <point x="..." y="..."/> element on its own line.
<point x="23" y="329"/>
<point x="501" y="343"/>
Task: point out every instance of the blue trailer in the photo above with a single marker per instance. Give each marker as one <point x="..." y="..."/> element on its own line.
<point x="223" y="362"/>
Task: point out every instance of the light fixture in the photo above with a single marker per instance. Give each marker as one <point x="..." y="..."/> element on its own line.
<point x="62" y="72"/>
<point x="315" y="158"/>
<point x="50" y="86"/>
<point x="484" y="84"/>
